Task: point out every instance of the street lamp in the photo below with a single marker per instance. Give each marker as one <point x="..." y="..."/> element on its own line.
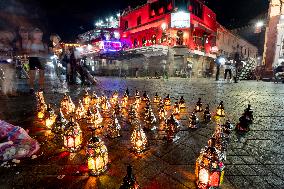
<point x="259" y="24"/>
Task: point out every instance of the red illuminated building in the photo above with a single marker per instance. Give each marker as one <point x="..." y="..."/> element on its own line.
<point x="184" y="23"/>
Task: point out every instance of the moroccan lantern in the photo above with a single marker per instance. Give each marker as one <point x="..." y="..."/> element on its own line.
<point x="176" y="110"/>
<point x="149" y="119"/>
<point x="193" y="121"/>
<point x="221" y="141"/>
<point x="137" y="97"/>
<point x="126" y="93"/>
<point x="117" y="108"/>
<point x="145" y="97"/>
<point x="124" y="101"/>
<point x="41" y="109"/>
<point x="49" y="117"/>
<point x="71" y="106"/>
<point x="167" y="100"/>
<point x="132" y="115"/>
<point x="114" y="98"/>
<point x="138" y="138"/>
<point x="106" y="109"/>
<point x="172" y="128"/>
<point x="156" y="98"/>
<point x="209" y="168"/>
<point x="60" y="124"/>
<point x="227" y="127"/>
<point x="90" y="116"/>
<point x="114" y="128"/>
<point x="86" y="100"/>
<point x="161" y="104"/>
<point x="221" y="110"/>
<point x="182" y="104"/>
<point x="129" y="181"/>
<point x="97" y="155"/>
<point x="207" y="114"/>
<point x="244" y="123"/>
<point x="162" y="114"/>
<point x="72" y="136"/>
<point x="64" y="104"/>
<point x="249" y="114"/>
<point x="198" y="106"/>
<point x="94" y="99"/>
<point x="80" y="111"/>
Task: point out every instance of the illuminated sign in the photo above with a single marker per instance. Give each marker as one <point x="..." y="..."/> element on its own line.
<point x="180" y="20"/>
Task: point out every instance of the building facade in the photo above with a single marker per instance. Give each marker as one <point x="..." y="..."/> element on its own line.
<point x="229" y="43"/>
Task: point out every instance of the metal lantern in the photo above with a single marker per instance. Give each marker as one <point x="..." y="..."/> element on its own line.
<point x="221" y="110"/>
<point x="126" y="93"/>
<point x="132" y="115"/>
<point x="176" y="110"/>
<point x="124" y="100"/>
<point x="209" y="168"/>
<point x="114" y="128"/>
<point x="86" y="100"/>
<point x="64" y="104"/>
<point x="167" y="100"/>
<point x="49" y="117"/>
<point x="60" y="124"/>
<point x="114" y="98"/>
<point x="94" y="99"/>
<point x="97" y="154"/>
<point x="137" y="97"/>
<point x="162" y="114"/>
<point x="227" y="127"/>
<point x="149" y="119"/>
<point x="106" y="109"/>
<point x="41" y="109"/>
<point x="145" y="97"/>
<point x="90" y="116"/>
<point x="198" y="106"/>
<point x="243" y="124"/>
<point x="193" y="121"/>
<point x="138" y="138"/>
<point x="249" y="114"/>
<point x="71" y="106"/>
<point x="72" y="136"/>
<point x="172" y="127"/>
<point x="129" y="181"/>
<point x="182" y="104"/>
<point x="156" y="98"/>
<point x="161" y="104"/>
<point x="221" y="141"/>
<point x="117" y="109"/>
<point x="80" y="111"/>
<point x="207" y="114"/>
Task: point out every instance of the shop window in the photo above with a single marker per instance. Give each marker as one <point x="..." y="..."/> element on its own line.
<point x="126" y="25"/>
<point x="139" y="21"/>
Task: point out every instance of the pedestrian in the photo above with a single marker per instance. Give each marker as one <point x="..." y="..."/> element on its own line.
<point x="55" y="50"/>
<point x="218" y="65"/>
<point x="228" y="69"/>
<point x="237" y="61"/>
<point x="37" y="51"/>
<point x="65" y="61"/>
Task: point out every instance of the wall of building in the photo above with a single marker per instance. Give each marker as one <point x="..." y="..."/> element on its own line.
<point x="228" y="43"/>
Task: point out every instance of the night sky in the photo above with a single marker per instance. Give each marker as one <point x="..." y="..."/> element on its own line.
<point x="69" y="18"/>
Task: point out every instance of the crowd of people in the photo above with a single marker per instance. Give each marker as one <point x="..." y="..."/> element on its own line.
<point x="29" y="54"/>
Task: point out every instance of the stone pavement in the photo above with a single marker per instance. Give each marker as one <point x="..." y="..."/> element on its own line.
<point x="254" y="160"/>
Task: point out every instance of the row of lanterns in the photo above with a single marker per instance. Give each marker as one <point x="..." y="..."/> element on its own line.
<point x="65" y="123"/>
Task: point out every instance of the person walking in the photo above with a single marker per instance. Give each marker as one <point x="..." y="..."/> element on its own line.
<point x="228" y="69"/>
<point x="37" y="51"/>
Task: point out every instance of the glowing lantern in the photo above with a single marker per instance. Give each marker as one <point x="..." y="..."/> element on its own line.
<point x="132" y="113"/>
<point x="97" y="156"/>
<point x="117" y="109"/>
<point x="207" y="114"/>
<point x="126" y="93"/>
<point x="193" y="121"/>
<point x="198" y="106"/>
<point x="114" y="98"/>
<point x="49" y="117"/>
<point x="161" y="104"/>
<point x="209" y="168"/>
<point x="172" y="128"/>
<point x="137" y="97"/>
<point x="162" y="114"/>
<point x="64" y="104"/>
<point x="114" y="128"/>
<point x="106" y="108"/>
<point x="244" y="123"/>
<point x="41" y="110"/>
<point x="221" y="141"/>
<point x="156" y="98"/>
<point x="60" y="124"/>
<point x="182" y="103"/>
<point x="145" y="97"/>
<point x="176" y="109"/>
<point x="221" y="110"/>
<point x="72" y="136"/>
<point x="167" y="100"/>
<point x="138" y="138"/>
<point x="90" y="116"/>
<point x="227" y="127"/>
<point x="86" y="100"/>
<point x="129" y="181"/>
<point x="80" y="111"/>
<point x="149" y="119"/>
<point x="94" y="99"/>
